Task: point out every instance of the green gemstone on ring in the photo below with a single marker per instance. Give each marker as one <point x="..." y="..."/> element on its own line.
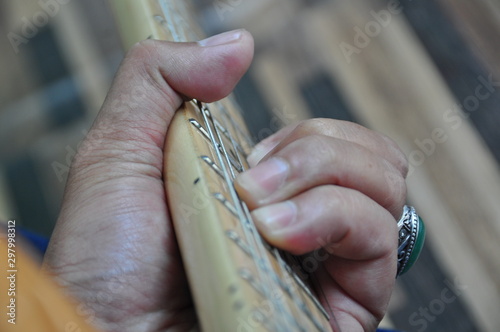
<point x="419" y="244"/>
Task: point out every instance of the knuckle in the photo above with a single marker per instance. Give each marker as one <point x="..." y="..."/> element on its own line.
<point x="323" y="147"/>
<point x="142" y="56"/>
<point x="319" y="126"/>
<point x="315" y="140"/>
<point x="142" y="49"/>
<point x="398" y="156"/>
<point x="332" y="198"/>
<point x="396" y="192"/>
<point x="311" y="150"/>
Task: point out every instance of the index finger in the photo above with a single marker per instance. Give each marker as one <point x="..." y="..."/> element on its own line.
<point x="348" y="131"/>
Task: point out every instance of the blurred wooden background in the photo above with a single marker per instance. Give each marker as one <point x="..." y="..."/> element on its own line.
<point x="426" y="74"/>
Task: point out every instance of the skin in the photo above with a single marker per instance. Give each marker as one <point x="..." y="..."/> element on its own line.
<point x="114" y="249"/>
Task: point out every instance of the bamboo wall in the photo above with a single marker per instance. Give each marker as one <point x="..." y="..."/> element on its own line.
<point x="424" y="73"/>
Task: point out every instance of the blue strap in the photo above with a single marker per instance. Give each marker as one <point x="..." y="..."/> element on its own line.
<point x="38" y="241"/>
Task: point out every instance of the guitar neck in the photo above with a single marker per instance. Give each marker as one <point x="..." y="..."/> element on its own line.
<point x="238" y="281"/>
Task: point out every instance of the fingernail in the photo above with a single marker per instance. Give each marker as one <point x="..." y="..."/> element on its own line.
<point x="258" y="152"/>
<point x="275" y="217"/>
<point x="264" y="179"/>
<point x="254" y="156"/>
<point x="221" y="39"/>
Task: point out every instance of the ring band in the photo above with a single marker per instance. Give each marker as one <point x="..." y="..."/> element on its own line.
<point x="411" y="239"/>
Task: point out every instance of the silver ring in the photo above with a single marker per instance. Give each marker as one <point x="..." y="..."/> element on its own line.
<point x="411" y="239"/>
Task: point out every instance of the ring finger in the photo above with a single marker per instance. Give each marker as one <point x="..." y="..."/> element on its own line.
<point x="349" y="224"/>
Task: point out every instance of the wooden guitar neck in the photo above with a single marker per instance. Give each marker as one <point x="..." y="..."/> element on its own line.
<point x="238" y="281"/>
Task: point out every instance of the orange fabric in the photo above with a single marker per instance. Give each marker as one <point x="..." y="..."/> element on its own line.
<point x="31" y="299"/>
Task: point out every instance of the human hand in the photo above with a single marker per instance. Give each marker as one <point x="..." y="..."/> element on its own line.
<point x="113" y="247"/>
<point x="336" y="186"/>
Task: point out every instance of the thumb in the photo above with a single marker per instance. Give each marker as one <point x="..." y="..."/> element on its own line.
<point x="118" y="168"/>
<point x="150" y="86"/>
<point x="113" y="219"/>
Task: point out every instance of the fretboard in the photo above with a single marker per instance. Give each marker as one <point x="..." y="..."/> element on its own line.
<point x="238" y="281"/>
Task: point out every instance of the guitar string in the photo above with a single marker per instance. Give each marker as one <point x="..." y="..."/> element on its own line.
<point x="286" y="271"/>
<point x="233" y="236"/>
<point x="287" y="274"/>
<point x="304" y="287"/>
<point x="292" y="291"/>
<point x="248" y="232"/>
<point x="249" y="223"/>
<point x="259" y="239"/>
<point x="292" y="283"/>
<point x="270" y="273"/>
<point x="227" y="118"/>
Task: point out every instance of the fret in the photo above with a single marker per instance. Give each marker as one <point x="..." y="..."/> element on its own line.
<point x="212" y="165"/>
<point x="219" y="197"/>
<point x="246" y="275"/>
<point x="264" y="321"/>
<point x="162" y="22"/>
<point x="238" y="241"/>
<point x="202" y="130"/>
